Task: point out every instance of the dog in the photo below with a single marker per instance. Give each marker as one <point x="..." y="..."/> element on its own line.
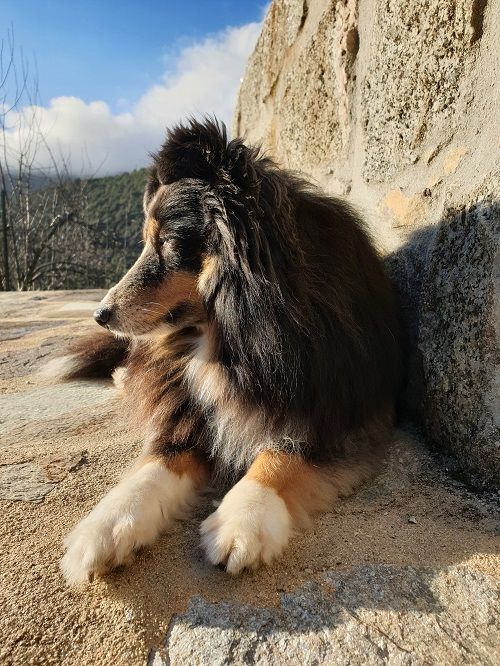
<point x="257" y="340"/>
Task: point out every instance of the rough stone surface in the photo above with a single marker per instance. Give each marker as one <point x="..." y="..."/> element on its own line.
<point x="31" y="482"/>
<point x="459" y="339"/>
<point x="369" y="615"/>
<point x="45" y="402"/>
<point x="24" y="482"/>
<point x="58" y="466"/>
<point x="396" y="104"/>
<point x="400" y="566"/>
<point x="311" y="82"/>
<point x="415" y="80"/>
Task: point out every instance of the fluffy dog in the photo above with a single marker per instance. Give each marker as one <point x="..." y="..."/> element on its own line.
<point x="260" y="342"/>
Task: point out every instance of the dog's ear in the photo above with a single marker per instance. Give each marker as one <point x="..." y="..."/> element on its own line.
<point x="152" y="185"/>
<point x="200" y="149"/>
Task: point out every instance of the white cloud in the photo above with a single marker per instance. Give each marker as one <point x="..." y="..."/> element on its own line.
<point x="204" y="79"/>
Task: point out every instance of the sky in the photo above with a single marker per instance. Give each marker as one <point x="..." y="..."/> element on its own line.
<point x="113" y="75"/>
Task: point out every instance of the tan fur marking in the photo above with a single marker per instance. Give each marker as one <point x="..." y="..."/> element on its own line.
<point x="151" y="229"/>
<point x="187" y="463"/>
<point x="148" y="306"/>
<point x="305" y="489"/>
<point x="209" y="265"/>
<point x="179" y="287"/>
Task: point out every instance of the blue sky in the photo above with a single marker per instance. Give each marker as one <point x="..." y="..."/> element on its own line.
<point x="112" y="73"/>
<point x="114" y="50"/>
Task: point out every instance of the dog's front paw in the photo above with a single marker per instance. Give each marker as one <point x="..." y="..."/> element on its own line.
<point x="130" y="516"/>
<point x="251" y="526"/>
<point x="99" y="543"/>
<point x="107" y="538"/>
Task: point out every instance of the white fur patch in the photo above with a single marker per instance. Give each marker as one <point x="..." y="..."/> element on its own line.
<point x="202" y="376"/>
<point x="251" y="526"/>
<point x="59" y="368"/>
<point x="131" y="515"/>
<point x="237" y="435"/>
<point x="119" y="377"/>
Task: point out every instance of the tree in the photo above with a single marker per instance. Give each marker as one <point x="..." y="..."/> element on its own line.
<point x="46" y="243"/>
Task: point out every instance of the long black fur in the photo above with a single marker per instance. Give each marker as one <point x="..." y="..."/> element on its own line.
<point x="305" y="319"/>
<point x="301" y="315"/>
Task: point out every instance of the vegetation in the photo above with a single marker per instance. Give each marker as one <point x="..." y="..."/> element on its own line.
<point x="75" y="233"/>
<point x="57" y="231"/>
<point x="113" y="210"/>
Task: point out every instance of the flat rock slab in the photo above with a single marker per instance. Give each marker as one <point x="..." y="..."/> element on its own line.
<point x="404" y="572"/>
<point x="45" y="402"/>
<point x="374" y="614"/>
<point x="31" y="482"/>
<point x="24" y="482"/>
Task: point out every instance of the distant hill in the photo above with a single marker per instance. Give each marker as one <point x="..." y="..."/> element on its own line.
<point x="114" y="207"/>
<point x="74" y="234"/>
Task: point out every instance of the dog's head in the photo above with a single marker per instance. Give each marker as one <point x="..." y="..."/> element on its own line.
<point x="187" y="234"/>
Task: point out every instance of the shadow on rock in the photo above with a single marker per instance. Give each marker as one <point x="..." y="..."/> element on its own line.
<point x="448" y="281"/>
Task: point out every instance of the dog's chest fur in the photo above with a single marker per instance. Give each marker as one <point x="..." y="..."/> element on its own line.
<point x="237" y="433"/>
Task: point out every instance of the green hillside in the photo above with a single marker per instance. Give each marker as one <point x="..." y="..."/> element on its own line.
<point x="73" y="234"/>
<point x="114" y="209"/>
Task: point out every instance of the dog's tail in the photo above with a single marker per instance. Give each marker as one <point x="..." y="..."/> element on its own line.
<point x="93" y="356"/>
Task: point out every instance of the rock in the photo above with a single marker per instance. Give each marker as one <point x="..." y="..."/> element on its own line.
<point x="459" y="338"/>
<point x="414" y="80"/>
<point x="24" y="482"/>
<point x="284" y="83"/>
<point x="395" y="104"/>
<point x="31" y="482"/>
<point x="283" y="24"/>
<point x="42" y="403"/>
<point x="371" y="615"/>
<point x="57" y="467"/>
<point x="129" y="615"/>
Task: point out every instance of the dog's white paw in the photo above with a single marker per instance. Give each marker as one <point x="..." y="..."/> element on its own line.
<point x="251" y="526"/>
<point x="99" y="543"/>
<point x="130" y="516"/>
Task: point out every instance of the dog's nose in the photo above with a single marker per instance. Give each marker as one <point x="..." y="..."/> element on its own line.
<point x="102" y="316"/>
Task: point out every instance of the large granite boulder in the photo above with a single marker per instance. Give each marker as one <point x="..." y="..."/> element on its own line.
<point x="459" y="338"/>
<point x="371" y="615"/>
<point x="395" y="104"/>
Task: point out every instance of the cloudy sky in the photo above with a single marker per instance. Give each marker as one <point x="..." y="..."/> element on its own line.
<point x="113" y="75"/>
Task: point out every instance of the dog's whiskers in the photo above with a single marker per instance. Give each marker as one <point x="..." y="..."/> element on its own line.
<point x="158" y="312"/>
